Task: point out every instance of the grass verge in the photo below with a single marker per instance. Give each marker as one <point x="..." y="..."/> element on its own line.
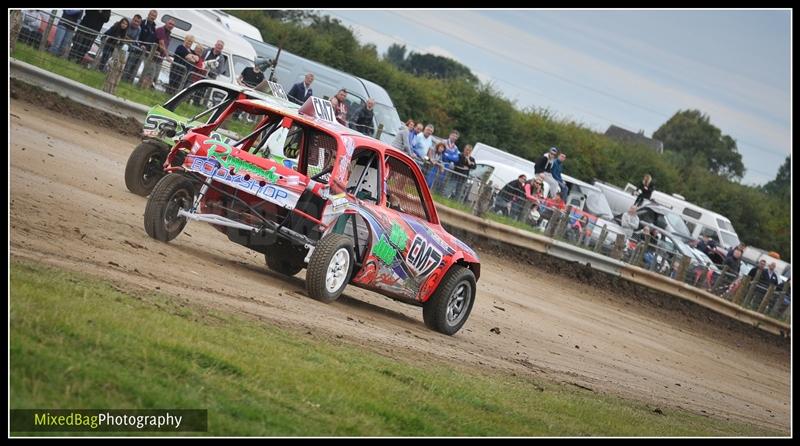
<point x="78" y="342"/>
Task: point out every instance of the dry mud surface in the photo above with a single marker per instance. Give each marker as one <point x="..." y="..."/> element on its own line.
<point x="70" y="208"/>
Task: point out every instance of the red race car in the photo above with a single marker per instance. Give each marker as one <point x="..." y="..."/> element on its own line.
<point x="310" y="193"/>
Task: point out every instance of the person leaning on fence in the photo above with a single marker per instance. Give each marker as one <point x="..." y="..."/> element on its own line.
<point x="734" y="264"/>
<point x="413" y="132"/>
<point x="182" y="65"/>
<point x="364" y="117"/>
<point x="252" y="76"/>
<point x="33" y="21"/>
<point x="401" y="139"/>
<point x="629" y="221"/>
<point x="146" y="39"/>
<point x="511" y="197"/>
<point x="214" y="59"/>
<point x="449" y="159"/>
<point x="340" y="106"/>
<point x="465" y="163"/>
<point x="301" y="91"/>
<point x="422" y="143"/>
<point x="113" y="38"/>
<point x="65" y="30"/>
<point x="435" y="164"/>
<point x="88" y="29"/>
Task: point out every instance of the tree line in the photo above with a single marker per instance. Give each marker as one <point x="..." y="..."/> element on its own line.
<point x="699" y="161"/>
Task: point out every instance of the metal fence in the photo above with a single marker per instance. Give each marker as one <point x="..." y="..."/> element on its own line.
<point x="142" y="66"/>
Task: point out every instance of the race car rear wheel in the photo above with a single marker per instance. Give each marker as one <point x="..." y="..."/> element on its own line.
<point x="330" y="267"/>
<point x="284" y="259"/>
<point x="450" y="305"/>
<point x="145" y="167"/>
<point x="161" y="220"/>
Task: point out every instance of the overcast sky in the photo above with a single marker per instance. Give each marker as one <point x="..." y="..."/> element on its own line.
<point x="634" y="69"/>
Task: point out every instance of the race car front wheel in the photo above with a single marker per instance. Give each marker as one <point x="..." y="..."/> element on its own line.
<point x="330" y="267"/>
<point x="161" y="219"/>
<point x="145" y="167"/>
<point x="450" y="305"/>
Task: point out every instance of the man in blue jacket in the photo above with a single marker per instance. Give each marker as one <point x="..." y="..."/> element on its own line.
<point x="301" y="91"/>
<point x="555" y="171"/>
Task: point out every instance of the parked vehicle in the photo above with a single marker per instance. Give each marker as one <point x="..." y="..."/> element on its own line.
<point x="664" y="219"/>
<point x="355" y="210"/>
<point x="700" y="221"/>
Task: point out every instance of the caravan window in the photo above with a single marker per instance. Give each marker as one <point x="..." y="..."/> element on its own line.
<point x="691" y="213"/>
<point x="180" y="24"/>
<point x="724" y="224"/>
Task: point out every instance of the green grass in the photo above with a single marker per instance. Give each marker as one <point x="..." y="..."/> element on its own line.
<point x="77" y="342"/>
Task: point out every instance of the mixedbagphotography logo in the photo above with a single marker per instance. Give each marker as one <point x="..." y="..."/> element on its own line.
<point x="109" y="420"/>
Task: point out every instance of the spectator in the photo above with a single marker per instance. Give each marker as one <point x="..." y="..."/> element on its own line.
<point x="215" y="61"/>
<point x="436" y="167"/>
<point x="734" y="262"/>
<point x="363" y="118"/>
<point x="402" y="140"/>
<point x="707" y="245"/>
<point x="163" y="35"/>
<point x="252" y="76"/>
<point x="771" y="277"/>
<point x="630" y="222"/>
<point x="113" y="38"/>
<point x="511" y="196"/>
<point x="465" y="163"/>
<point x="645" y="190"/>
<point x="135" y="28"/>
<point x="422" y="143"/>
<point x="533" y="189"/>
<point x="199" y="71"/>
<point x="762" y="267"/>
<point x="301" y="91"/>
<point x="147" y="38"/>
<point x="182" y="65"/>
<point x="555" y="171"/>
<point x="32" y="24"/>
<point x="65" y="31"/>
<point x="89" y="27"/>
<point x="449" y="159"/>
<point x="412" y="134"/>
<point x="543" y="165"/>
<point x="340" y="106"/>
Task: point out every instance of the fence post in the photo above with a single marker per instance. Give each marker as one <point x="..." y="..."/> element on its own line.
<point x="619" y="247"/>
<point x="15" y="17"/>
<point x="484" y="199"/>
<point x="601" y="240"/>
<point x="43" y="41"/>
<point x="680" y="275"/>
<point x="526" y="211"/>
<point x="722" y="275"/>
<point x="563" y="222"/>
<point x="767" y="298"/>
<point x="379" y="131"/>
<point x="115" y="67"/>
<point x="147" y="72"/>
<point x="749" y="297"/>
<point x="551" y="223"/>
<point x="740" y="292"/>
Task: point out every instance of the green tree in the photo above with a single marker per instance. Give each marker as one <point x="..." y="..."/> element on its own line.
<point x="781" y="185"/>
<point x="395" y="55"/>
<point x="690" y="133"/>
<point x="437" y="66"/>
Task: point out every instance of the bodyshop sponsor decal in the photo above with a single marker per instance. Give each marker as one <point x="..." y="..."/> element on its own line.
<point x="422" y="257"/>
<point x="387" y="248"/>
<point x="269" y="192"/>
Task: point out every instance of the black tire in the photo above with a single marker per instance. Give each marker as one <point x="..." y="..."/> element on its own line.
<point x="285" y="259"/>
<point x="435" y="310"/>
<point x="160" y="216"/>
<point x="322" y="260"/>
<point x="145" y="167"/>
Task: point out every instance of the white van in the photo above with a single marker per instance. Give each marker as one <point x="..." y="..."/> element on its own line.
<point x="700" y="221"/>
<point x="233" y="24"/>
<point x="238" y="54"/>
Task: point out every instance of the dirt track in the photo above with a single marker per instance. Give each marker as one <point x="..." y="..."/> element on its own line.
<point x="70" y="208"/>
